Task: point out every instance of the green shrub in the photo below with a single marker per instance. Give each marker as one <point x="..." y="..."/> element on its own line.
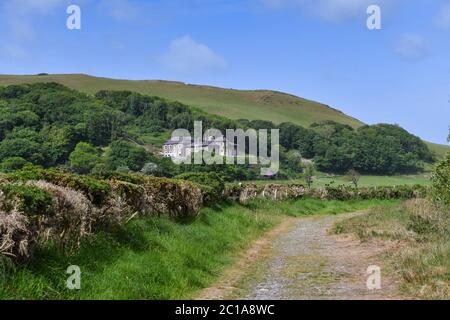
<point x="441" y="182"/>
<point x="96" y="190"/>
<point x="176" y="198"/>
<point x="84" y="158"/>
<point x="32" y="200"/>
<point x="211" y="184"/>
<point x="125" y="156"/>
<point x="121" y="176"/>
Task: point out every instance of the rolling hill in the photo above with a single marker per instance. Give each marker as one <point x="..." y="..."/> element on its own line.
<point x="234" y="104"/>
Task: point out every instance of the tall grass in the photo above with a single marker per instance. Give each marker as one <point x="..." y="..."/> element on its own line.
<point x="157" y="258"/>
<point x="424" y="230"/>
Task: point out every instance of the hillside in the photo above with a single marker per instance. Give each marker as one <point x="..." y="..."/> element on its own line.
<point x="275" y="106"/>
<point x="234" y="104"/>
<point x="439" y="149"/>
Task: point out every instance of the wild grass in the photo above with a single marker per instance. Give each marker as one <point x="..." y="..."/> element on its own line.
<point x="158" y="258"/>
<point x="424" y="230"/>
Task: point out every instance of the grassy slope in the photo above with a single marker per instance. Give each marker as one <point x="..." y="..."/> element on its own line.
<point x="234" y="104"/>
<point x="439" y="149"/>
<point x="157" y="258"/>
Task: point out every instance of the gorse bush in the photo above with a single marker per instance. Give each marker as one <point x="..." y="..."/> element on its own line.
<point x="29" y="199"/>
<point x="96" y="190"/>
<point x="211" y="184"/>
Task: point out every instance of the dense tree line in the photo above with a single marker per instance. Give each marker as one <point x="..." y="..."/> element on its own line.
<point x="51" y="125"/>
<point x="377" y="149"/>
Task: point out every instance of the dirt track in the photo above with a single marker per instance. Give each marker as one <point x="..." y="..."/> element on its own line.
<point x="301" y="260"/>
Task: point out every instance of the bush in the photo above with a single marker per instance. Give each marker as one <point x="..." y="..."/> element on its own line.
<point x="150" y="169"/>
<point x="94" y="189"/>
<point x="28" y="199"/>
<point x="441" y="182"/>
<point x="84" y="158"/>
<point x="211" y="184"/>
<point x="123" y="154"/>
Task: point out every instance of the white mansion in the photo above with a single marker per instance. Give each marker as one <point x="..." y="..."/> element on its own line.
<point x="184" y="147"/>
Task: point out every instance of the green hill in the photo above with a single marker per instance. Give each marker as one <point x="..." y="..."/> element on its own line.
<point x="234" y="104"/>
<point x="439" y="149"/>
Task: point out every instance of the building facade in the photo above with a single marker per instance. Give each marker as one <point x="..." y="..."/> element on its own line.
<point x="184" y="147"/>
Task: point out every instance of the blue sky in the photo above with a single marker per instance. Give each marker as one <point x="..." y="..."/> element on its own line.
<point x="317" y="49"/>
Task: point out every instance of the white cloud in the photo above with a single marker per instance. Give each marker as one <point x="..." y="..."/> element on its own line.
<point x="187" y="55"/>
<point x="411" y="46"/>
<point x="329" y="10"/>
<point x="121" y="10"/>
<point x="443" y="17"/>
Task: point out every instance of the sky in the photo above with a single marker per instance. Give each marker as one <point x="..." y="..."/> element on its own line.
<point x="317" y="49"/>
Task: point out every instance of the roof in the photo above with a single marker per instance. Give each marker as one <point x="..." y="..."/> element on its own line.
<point x="187" y="141"/>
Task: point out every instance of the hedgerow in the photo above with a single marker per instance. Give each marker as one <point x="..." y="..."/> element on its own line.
<point x="246" y="192"/>
<point x="38" y="205"/>
<point x="211" y="184"/>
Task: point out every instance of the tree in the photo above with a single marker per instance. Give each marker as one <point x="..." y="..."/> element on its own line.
<point x="354" y="177"/>
<point x="309" y="174"/>
<point x="126" y="154"/>
<point x="293" y="161"/>
<point x="24" y="143"/>
<point x="84" y="158"/>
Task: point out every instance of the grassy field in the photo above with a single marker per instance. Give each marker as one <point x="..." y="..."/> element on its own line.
<point x="366" y="181"/>
<point x="158" y="258"/>
<point x="423" y="263"/>
<point x="234" y="104"/>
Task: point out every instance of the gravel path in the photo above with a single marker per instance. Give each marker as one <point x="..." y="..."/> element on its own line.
<point x="308" y="263"/>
